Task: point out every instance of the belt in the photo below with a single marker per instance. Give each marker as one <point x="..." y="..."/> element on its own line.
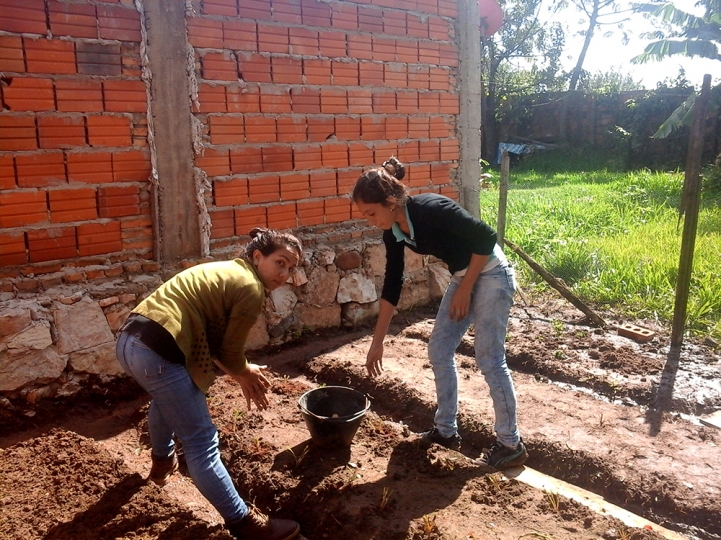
<point x="155" y="336"/>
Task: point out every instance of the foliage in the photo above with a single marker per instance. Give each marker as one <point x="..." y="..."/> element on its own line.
<point x="613" y="237"/>
<point x="609" y="82"/>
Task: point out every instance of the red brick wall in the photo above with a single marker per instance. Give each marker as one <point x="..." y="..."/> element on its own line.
<point x="296" y="97"/>
<point x="73" y="133"/>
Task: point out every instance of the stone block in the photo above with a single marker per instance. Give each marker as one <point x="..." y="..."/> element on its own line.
<point x="81" y="326"/>
<point x="14" y="320"/>
<point x="98" y="360"/>
<point x="32" y="366"/>
<point x="356" y="288"/>
<point x="353" y="313"/>
<point x="313" y="317"/>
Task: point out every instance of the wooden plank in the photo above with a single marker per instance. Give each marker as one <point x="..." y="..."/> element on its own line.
<point x="595" y="502"/>
<point x="712" y="420"/>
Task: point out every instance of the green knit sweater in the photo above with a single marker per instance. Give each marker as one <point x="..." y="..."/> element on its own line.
<point x="209" y="309"/>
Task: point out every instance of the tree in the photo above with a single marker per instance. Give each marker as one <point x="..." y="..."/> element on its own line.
<point x="684" y="34"/>
<point x="523" y="56"/>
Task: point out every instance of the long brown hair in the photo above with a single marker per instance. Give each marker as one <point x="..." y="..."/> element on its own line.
<point x="377" y="185"/>
<point x="268" y="241"/>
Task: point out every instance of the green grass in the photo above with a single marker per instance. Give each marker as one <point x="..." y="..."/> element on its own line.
<point x="613" y="237"/>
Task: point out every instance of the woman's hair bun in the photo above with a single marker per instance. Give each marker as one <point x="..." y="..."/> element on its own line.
<point x="256" y="232"/>
<point x="394" y="167"/>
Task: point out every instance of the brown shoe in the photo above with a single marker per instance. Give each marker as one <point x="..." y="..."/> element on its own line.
<point x="163" y="468"/>
<point x="256" y="526"/>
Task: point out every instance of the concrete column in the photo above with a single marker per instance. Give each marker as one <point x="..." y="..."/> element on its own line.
<point x="176" y="210"/>
<point x="469" y="121"/>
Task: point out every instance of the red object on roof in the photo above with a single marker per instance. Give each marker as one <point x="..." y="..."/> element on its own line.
<point x="491" y="16"/>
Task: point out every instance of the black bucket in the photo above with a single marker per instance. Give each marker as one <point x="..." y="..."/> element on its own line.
<point x="333" y="414"/>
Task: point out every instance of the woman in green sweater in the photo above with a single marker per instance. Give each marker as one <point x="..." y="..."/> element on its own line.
<point x="200" y="317"/>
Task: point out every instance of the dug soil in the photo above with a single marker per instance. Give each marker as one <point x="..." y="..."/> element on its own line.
<point x="597" y="410"/>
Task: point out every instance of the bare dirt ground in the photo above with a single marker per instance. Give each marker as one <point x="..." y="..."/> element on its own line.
<point x="598" y="410"/>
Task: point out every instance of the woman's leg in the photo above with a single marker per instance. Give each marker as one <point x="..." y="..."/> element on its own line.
<point x="491" y="305"/>
<point x="442" y="345"/>
<point x="180" y="407"/>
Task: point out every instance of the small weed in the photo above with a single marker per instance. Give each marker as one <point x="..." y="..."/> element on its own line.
<point x="496" y="482"/>
<point x="557" y="326"/>
<point x="559" y="355"/>
<point x="554" y="500"/>
<point x="299" y="457"/>
<point x="601" y="422"/>
<point x="581" y="334"/>
<point x="385" y="499"/>
<point x="429" y="524"/>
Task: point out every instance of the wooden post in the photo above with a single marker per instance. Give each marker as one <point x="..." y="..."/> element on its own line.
<point x="690" y="206"/>
<point x="503" y="197"/>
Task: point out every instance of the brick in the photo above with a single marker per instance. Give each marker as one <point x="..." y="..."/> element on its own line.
<point x="273" y="39"/>
<point x="294" y="187"/>
<point x="384" y="49"/>
<point x="205" y="33"/>
<point x="428" y="6"/>
<point x="396" y="127"/>
<point x="90" y="168"/>
<point x="334" y="155"/>
<point x="226" y="129"/>
<point x="310" y="213"/>
<point x="395" y="75"/>
<point x="99" y="238"/>
<point x="222" y="224"/>
<point x="370" y="19"/>
<point x="264" y="189"/>
<point x="441" y="127"/>
<point x="383" y="149"/>
<point x="359" y="155"/>
<point x="12" y="249"/>
<point x="214" y="162"/>
<point x="61" y="131"/>
<point x="79" y="96"/>
<point x="332" y="44"/>
<point x="72" y="205"/>
<point x="7" y="172"/>
<point x="450" y="104"/>
<point x="371" y="74"/>
<point x="407" y="102"/>
<point x="303" y="41"/>
<point x="254" y="68"/>
<point x="243" y="100"/>
<point x="407" y="52"/>
<point x="232" y="192"/>
<point x="441" y="173"/>
<point x="323" y="184"/>
<point x="372" y="129"/>
<point x="440" y="79"/>
<point x="12" y="58"/>
<point x="104" y="130"/>
<point x="416" y="27"/>
<point x="260" y="129"/>
<point x="286" y="70"/>
<point x="240" y="36"/>
<point x="448" y="8"/>
<point x="118" y="201"/>
<point x="254" y="9"/>
<point x="333" y="101"/>
<point x="360" y="101"/>
<point x="132" y="166"/>
<point x="430" y="150"/>
<point x="345" y="73"/>
<point x="450" y="150"/>
<point x="429" y="52"/>
<point x="245" y="160"/>
<point x="347" y="128"/>
<point x="130" y="60"/>
<point x="344" y="16"/>
<point x="282" y="216"/>
<point x="248" y="218"/>
<point x="40" y="170"/>
<point x="74" y="20"/>
<point x="292" y="129"/>
<point x="20" y="208"/>
<point x="98" y="59"/>
<point x="320" y="128"/>
<point x="29" y="94"/>
<point x="49" y="56"/>
<point x="315" y="13"/>
<point x="228" y="8"/>
<point x="394" y="23"/>
<point x="219" y="66"/>
<point x="429" y="102"/>
<point x="275" y="100"/>
<point x="316" y="71"/>
<point x="124" y="96"/>
<point x="448" y="55"/>
<point x="121" y="23"/>
<point x="450" y="191"/>
<point x="27" y="17"/>
<point x="360" y="47"/>
<point x="418" y="175"/>
<point x="305" y="100"/>
<point x="52" y="244"/>
<point x="347" y="179"/>
<point x="307" y="157"/>
<point x="211" y="98"/>
<point x="418" y="127"/>
<point x="337" y="210"/>
<point x="384" y="102"/>
<point x="408" y="152"/>
<point x="418" y="77"/>
<point x="287" y="12"/>
<point x="277" y="158"/>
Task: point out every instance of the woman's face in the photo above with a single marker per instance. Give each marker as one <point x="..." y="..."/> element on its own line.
<point x="377" y="214"/>
<point x="274" y="269"/>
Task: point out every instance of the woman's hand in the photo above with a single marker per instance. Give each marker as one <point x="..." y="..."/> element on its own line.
<point x="460" y="303"/>
<point x="254" y="385"/>
<point x="374" y="359"/>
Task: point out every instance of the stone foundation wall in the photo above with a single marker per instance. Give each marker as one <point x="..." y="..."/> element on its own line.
<point x="58" y="329"/>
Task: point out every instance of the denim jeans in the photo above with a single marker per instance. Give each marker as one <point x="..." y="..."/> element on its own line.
<point x="491" y="303"/>
<point x="179" y="408"/>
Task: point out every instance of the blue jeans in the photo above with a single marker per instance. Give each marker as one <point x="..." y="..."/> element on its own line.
<point x="491" y="303"/>
<point x="179" y="408"/>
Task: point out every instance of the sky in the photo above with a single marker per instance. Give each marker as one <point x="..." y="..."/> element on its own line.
<point x="607" y="53"/>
